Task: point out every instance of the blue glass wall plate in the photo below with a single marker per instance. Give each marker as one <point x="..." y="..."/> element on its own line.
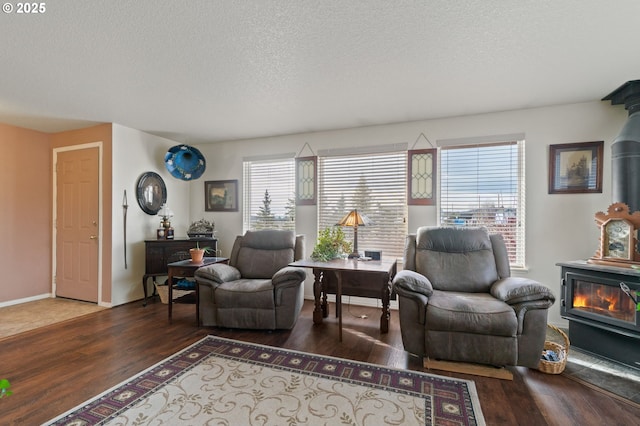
<point x="185" y="162"/>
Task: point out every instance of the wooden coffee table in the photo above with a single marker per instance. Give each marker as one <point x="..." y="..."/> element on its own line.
<point x="187" y="269"/>
<point x="371" y="278"/>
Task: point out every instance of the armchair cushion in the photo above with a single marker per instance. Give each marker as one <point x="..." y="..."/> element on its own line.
<point x="412" y="282"/>
<point x="474" y="313"/>
<point x="262" y="253"/>
<point x="244" y="293"/>
<point x="218" y="272"/>
<point x="515" y="290"/>
<point x="456" y="259"/>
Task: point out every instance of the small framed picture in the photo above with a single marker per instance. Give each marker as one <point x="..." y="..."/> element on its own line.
<point x="221" y="196"/>
<point x="575" y="168"/>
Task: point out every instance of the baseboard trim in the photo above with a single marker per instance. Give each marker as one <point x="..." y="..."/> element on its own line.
<point x="25" y="300"/>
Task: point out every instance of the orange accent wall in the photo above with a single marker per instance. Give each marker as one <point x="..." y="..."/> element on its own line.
<point x="26" y="207"/>
<point x="25" y="213"/>
<point x="100" y="133"/>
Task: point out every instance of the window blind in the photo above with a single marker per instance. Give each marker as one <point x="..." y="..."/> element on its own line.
<point x="375" y="185"/>
<point x="483" y="185"/>
<point x="269" y="194"/>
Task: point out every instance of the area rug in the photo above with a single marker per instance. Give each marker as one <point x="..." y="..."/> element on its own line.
<point x="222" y="381"/>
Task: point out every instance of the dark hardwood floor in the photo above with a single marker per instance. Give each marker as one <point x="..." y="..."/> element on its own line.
<point x="55" y="368"/>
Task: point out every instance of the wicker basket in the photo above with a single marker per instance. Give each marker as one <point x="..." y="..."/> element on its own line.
<point x="555" y="367"/>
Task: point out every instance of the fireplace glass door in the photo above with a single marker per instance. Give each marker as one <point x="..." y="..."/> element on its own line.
<point x="599" y="299"/>
<point x="605" y="300"/>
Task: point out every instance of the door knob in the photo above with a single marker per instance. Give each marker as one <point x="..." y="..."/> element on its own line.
<point x="93" y="237"/>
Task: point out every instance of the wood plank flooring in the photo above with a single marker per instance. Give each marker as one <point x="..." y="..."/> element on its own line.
<point x="55" y="368"/>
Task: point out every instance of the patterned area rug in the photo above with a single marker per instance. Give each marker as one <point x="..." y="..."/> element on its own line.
<point x="221" y="381"/>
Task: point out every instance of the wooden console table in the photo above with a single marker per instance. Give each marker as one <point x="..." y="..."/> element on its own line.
<point x="370" y="278"/>
<point x="158" y="253"/>
<point x="187" y="269"/>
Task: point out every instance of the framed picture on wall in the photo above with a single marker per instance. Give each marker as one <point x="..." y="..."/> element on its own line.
<point x="221" y="196"/>
<point x="575" y="168"/>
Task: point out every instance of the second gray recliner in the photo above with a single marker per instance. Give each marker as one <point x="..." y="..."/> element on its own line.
<point x="459" y="302"/>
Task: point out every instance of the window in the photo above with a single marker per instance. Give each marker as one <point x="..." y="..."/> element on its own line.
<point x="375" y="185"/>
<point x="483" y="185"/>
<point x="268" y="193"/>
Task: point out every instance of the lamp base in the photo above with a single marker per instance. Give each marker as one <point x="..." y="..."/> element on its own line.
<point x="354" y="255"/>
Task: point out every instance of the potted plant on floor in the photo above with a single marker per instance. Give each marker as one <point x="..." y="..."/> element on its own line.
<point x="197" y="253"/>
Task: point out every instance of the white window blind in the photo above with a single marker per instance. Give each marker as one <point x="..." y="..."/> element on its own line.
<point x="375" y="185"/>
<point x="269" y="194"/>
<point x="483" y="185"/>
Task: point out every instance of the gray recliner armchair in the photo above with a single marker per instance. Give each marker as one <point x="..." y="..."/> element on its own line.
<point x="256" y="290"/>
<point x="458" y="302"/>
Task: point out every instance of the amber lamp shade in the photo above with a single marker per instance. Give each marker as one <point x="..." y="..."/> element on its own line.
<point x="354" y="219"/>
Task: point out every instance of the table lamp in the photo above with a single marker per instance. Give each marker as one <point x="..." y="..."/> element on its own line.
<point x="354" y="219"/>
<point x="165" y="230"/>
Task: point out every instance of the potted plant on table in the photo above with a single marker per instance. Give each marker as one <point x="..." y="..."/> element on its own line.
<point x="197" y="253"/>
<point x="331" y="244"/>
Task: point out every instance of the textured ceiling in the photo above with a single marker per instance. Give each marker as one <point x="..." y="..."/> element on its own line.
<point x="204" y="71"/>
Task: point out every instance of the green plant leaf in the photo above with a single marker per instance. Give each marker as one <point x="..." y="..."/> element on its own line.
<point x="5" y="388"/>
<point x="331" y="243"/>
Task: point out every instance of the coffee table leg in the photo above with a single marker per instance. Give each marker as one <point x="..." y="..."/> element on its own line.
<point x="386" y="314"/>
<point x="170" y="291"/>
<point x="145" y="279"/>
<point x="339" y="303"/>
<point x="197" y="305"/>
<point x="317" y="294"/>
<point x="325" y="304"/>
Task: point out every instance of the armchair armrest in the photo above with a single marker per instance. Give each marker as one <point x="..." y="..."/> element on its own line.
<point x="288" y="276"/>
<point x="218" y="272"/>
<point x="515" y="290"/>
<point x="410" y="283"/>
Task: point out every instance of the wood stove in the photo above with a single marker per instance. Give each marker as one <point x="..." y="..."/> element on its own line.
<point x="600" y="303"/>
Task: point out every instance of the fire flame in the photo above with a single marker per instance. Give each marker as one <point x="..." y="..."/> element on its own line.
<point x="580" y="301"/>
<point x="606" y="302"/>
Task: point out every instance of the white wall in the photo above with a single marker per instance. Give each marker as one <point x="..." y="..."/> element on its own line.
<point x="136" y="152"/>
<point x="558" y="227"/>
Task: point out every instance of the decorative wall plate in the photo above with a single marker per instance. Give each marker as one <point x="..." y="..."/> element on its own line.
<point x="151" y="192"/>
<point x="185" y="162"/>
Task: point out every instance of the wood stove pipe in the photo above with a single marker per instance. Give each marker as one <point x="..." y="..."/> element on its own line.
<point x="625" y="150"/>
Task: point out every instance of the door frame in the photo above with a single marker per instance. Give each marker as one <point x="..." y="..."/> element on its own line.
<point x="54" y="232"/>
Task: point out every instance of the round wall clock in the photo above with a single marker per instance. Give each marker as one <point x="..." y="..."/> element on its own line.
<point x="151" y="192"/>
